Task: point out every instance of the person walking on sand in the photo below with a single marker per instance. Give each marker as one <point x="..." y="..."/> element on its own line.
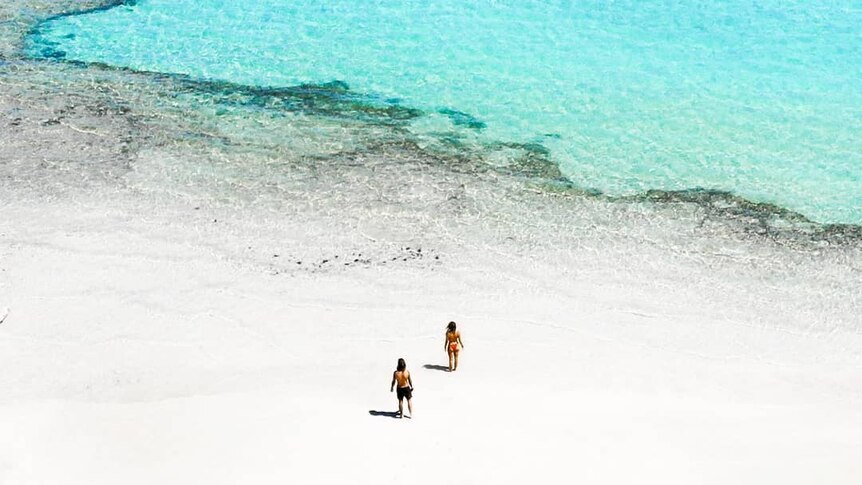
<point x="401" y="376"/>
<point x="453" y="345"/>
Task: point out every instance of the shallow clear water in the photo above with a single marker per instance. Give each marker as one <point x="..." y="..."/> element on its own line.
<point x="764" y="100"/>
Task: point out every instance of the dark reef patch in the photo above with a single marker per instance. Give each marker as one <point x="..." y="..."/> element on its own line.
<point x="459" y="118"/>
<point x="47" y="49"/>
<point x="532" y="160"/>
<point x="334" y="99"/>
<point x="756" y="218"/>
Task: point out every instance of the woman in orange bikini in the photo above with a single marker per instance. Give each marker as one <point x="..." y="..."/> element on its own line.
<point x="453" y="344"/>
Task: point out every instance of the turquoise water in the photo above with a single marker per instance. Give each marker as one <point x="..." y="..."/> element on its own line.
<point x="763" y="99"/>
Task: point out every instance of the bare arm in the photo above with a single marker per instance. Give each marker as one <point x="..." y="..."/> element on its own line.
<point x="446" y="342"/>
<point x="459" y="340"/>
<point x="392" y="385"/>
<point x="410" y="380"/>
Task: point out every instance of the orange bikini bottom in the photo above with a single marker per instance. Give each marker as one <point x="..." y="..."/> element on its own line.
<point x="453" y="346"/>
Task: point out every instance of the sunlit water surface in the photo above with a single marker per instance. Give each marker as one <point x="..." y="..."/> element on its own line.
<point x="761" y="99"/>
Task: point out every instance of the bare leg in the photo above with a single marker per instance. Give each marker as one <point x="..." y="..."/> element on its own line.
<point x="451" y="357"/>
<point x="409" y="407"/>
<point x="456" y="361"/>
<point x="401" y="408"/>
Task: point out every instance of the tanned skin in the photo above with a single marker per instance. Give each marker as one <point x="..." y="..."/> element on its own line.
<point x="453" y="345"/>
<point x="402" y="378"/>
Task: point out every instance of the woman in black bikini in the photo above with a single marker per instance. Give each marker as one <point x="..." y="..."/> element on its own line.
<point x="453" y="344"/>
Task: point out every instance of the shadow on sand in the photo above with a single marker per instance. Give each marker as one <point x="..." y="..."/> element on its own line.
<point x="444" y="368"/>
<point x="385" y="414"/>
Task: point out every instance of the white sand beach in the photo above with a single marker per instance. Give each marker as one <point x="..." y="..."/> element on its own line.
<point x="197" y="300"/>
<point x="141" y="347"/>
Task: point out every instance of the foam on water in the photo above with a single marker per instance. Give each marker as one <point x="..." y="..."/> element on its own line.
<point x="762" y="100"/>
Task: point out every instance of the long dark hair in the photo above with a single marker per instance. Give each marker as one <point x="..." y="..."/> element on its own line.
<point x="450" y="327"/>
<point x="401" y="365"/>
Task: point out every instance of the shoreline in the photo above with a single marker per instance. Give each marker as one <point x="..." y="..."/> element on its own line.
<point x="336" y="100"/>
<point x="757" y="219"/>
